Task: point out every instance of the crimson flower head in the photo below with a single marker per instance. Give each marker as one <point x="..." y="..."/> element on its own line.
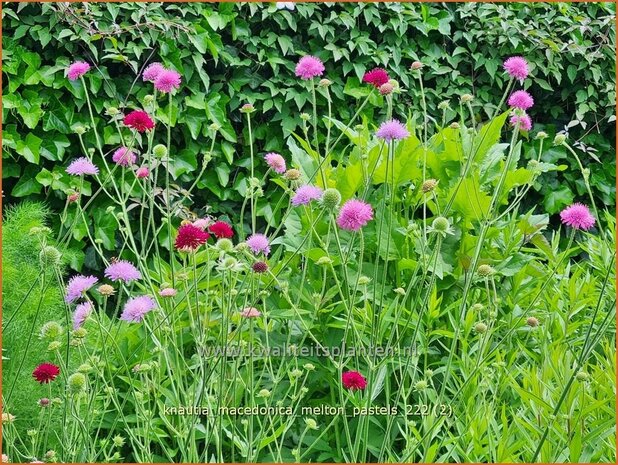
<point x="45" y="372"/>
<point x="139" y="120"/>
<point x="190" y="237"/>
<point x="221" y="229"/>
<point x="376" y="77"/>
<point x="353" y="380"/>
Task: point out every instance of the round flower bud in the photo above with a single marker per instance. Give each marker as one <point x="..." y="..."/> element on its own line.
<point x="416" y="65"/>
<point x="386" y="89"/>
<point x="51" y="330"/>
<point x="324" y="82"/>
<point x="395" y="84"/>
<point x="159" y="151"/>
<point x="292" y="174"/>
<point x="400" y="291"/>
<point x="429" y="185"/>
<point x="364" y="280"/>
<point x="311" y="423"/>
<point x="49" y="256"/>
<point x="480" y="328"/>
<point x="485" y="270"/>
<point x="118" y="441"/>
<point x="444" y="105"/>
<point x="247" y="108"/>
<point x="264" y="393"/>
<point x="77" y="382"/>
<point x="295" y="373"/>
<point x="532" y="322"/>
<point x="421" y="385"/>
<point x="308" y="367"/>
<point x="541" y="135"/>
<point x="305" y="116"/>
<point x="44" y="402"/>
<point x="440" y="224"/>
<point x="477" y="307"/>
<point x="148" y="99"/>
<point x="466" y="98"/>
<point x="73" y="197"/>
<point x="559" y="139"/>
<point x="80" y="333"/>
<point x="429" y="373"/>
<point x="224" y="245"/>
<point x="54" y="345"/>
<point x="581" y="376"/>
<point x="260" y="267"/>
<point x="454" y="126"/>
<point x="79" y="129"/>
<point x="323" y="261"/>
<point x="106" y="290"/>
<point x="214" y="127"/>
<point x="331" y="198"/>
<point x="112" y="111"/>
<point x="84" y="368"/>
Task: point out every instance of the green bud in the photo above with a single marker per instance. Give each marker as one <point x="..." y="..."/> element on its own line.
<point x="51" y="330"/>
<point x="77" y="383"/>
<point x="159" y="151"/>
<point x="581" y="376"/>
<point x="49" y="256"/>
<point x="485" y="270"/>
<point x="441" y="224"/>
<point x="311" y="423"/>
<point x="331" y="198"/>
<point x="421" y="385"/>
<point x="480" y="328"/>
<point x="559" y="139"/>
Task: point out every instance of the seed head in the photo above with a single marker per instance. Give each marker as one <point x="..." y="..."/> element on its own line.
<point x="331" y="198"/>
<point x="429" y="185"/>
<point x="485" y="270"/>
<point x="532" y="322"/>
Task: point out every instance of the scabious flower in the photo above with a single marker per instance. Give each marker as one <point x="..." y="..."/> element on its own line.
<point x="167" y="292"/>
<point x="78" y="285"/>
<point x="376" y="77"/>
<point x="221" y="230"/>
<point x="353" y="380"/>
<point x="82" y="311"/>
<point x="525" y="123"/>
<point x="139" y="120"/>
<point x="122" y="270"/>
<point x="82" y="166"/>
<point x="354" y="214"/>
<point x="258" y="243"/>
<point x="260" y="267"/>
<point x="77" y="70"/>
<point x="142" y="172"/>
<point x="306" y="194"/>
<point x="136" y="308"/>
<point x="190" y="237"/>
<point x="577" y="216"/>
<point x="276" y="162"/>
<point x="124" y="157"/>
<point x="45" y="372"/>
<point x="309" y="67"/>
<point x="521" y="99"/>
<point x="391" y="130"/>
<point x="152" y="71"/>
<point x="250" y="312"/>
<point x="516" y="67"/>
<point x="167" y="80"/>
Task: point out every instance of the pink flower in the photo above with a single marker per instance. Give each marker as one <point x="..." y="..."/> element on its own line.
<point x="517" y="67"/>
<point x="276" y="162"/>
<point x="124" y="157"/>
<point x="167" y="81"/>
<point x="82" y="166"/>
<point x="306" y="194"/>
<point x="525" y="123"/>
<point x="353" y="380"/>
<point x="391" y="130"/>
<point x="377" y="77"/>
<point x="258" y="243"/>
<point x="136" y="308"/>
<point x="139" y="120"/>
<point x="142" y="172"/>
<point x="354" y="215"/>
<point x="221" y="229"/>
<point x="250" y="312"/>
<point x="78" y="285"/>
<point x="521" y="99"/>
<point x="122" y="270"/>
<point x="152" y="71"/>
<point x="190" y="238"/>
<point x="167" y="292"/>
<point x="577" y="216"/>
<point x="77" y="70"/>
<point x="82" y="311"/>
<point x="309" y="67"/>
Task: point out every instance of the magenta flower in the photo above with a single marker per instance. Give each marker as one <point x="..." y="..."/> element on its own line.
<point x="122" y="270"/>
<point x="276" y="162"/>
<point x="577" y="216"/>
<point x="152" y="71"/>
<point x="78" y="285"/>
<point x="139" y="120"/>
<point x="124" y="157"/>
<point x="521" y="99"/>
<point x="376" y="77"/>
<point x="77" y="70"/>
<point x="306" y="194"/>
<point x="517" y="67"/>
<point x="525" y="123"/>
<point x="391" y="130"/>
<point x="353" y="380"/>
<point x="354" y="215"/>
<point x="82" y="166"/>
<point x="82" y="311"/>
<point x="136" y="308"/>
<point x="258" y="243"/>
<point x="167" y="81"/>
<point x="250" y="312"/>
<point x="142" y="172"/>
<point x="309" y="67"/>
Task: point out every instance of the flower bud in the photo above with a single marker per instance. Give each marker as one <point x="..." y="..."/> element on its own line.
<point x="429" y="185"/>
<point x="159" y="151"/>
<point x="112" y="111"/>
<point x="49" y="256"/>
<point x="265" y="393"/>
<point x="247" y="108"/>
<point x="541" y="135"/>
<point x="532" y="322"/>
<point x="386" y="89"/>
<point x="364" y="280"/>
<point x="421" y="385"/>
<point x="416" y="65"/>
<point x="292" y="174"/>
<point x="323" y="261"/>
<point x="560" y="139"/>
<point x="142" y="172"/>
<point x="106" y="290"/>
<point x="51" y="330"/>
<point x="444" y="105"/>
<point x="324" y="82"/>
<point x="54" y="345"/>
<point x="77" y="383"/>
<point x="581" y="376"/>
<point x="311" y="423"/>
<point x="485" y="270"/>
<point x="305" y="116"/>
<point x="466" y="98"/>
<point x="331" y="198"/>
<point x="480" y="328"/>
<point x="148" y="99"/>
<point x="79" y="129"/>
<point x="454" y="126"/>
<point x="441" y="224"/>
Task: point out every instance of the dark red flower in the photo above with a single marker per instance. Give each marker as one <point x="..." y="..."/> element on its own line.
<point x="190" y="237"/>
<point x="221" y="229"/>
<point x="139" y="120"/>
<point x="260" y="267"/>
<point x="45" y="372"/>
<point x="353" y="380"/>
<point x="376" y="77"/>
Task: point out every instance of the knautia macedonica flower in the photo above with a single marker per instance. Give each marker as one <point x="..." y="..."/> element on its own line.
<point x="260" y="267"/>
<point x="376" y="77"/>
<point x="139" y="120"/>
<point x="152" y="71"/>
<point x="525" y="123"/>
<point x="309" y="67"/>
<point x="577" y="216"/>
<point x="78" y="285"/>
<point x="521" y="99"/>
<point x="81" y="313"/>
<point x="190" y="238"/>
<point x="276" y="162"/>
<point x="142" y="172"/>
<point x="258" y="243"/>
<point x="167" y="292"/>
<point x="305" y="194"/>
<point x="122" y="270"/>
<point x="353" y="380"/>
<point x="77" y="70"/>
<point x="167" y="81"/>
<point x="516" y="67"/>
<point x="250" y="312"/>
<point x="392" y="130"/>
<point x="136" y="308"/>
<point x="221" y="229"/>
<point x="81" y="167"/>
<point x="354" y="214"/>
<point x="124" y="157"/>
<point x="45" y="372"/>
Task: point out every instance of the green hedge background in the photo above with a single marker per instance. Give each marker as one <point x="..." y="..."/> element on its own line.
<point x="231" y="54"/>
